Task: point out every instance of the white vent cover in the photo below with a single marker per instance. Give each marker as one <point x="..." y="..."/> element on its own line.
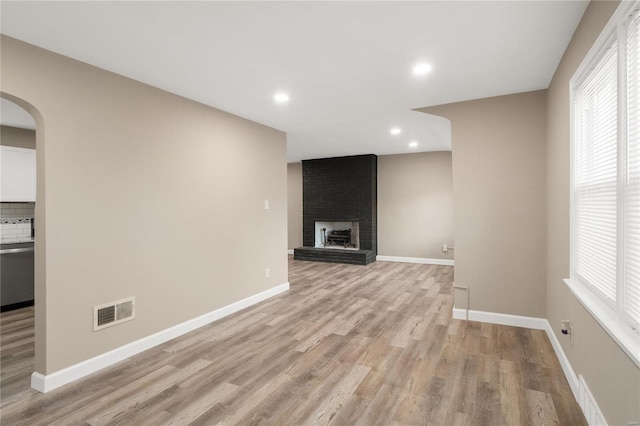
<point x="113" y="313"/>
<point x="589" y="406"/>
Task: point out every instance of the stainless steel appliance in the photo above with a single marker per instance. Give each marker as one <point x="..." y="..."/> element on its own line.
<point x="16" y="275"/>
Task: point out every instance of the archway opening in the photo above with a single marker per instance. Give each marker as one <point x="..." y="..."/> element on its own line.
<point x="22" y="237"/>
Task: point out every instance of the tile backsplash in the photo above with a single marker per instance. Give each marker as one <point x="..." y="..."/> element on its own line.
<point x="15" y="222"/>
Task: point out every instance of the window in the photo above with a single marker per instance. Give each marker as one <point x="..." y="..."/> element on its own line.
<point x="605" y="218"/>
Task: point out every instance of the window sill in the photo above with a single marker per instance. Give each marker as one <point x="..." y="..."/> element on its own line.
<point x="623" y="335"/>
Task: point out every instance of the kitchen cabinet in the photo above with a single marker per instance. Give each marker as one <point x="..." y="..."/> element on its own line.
<point x="17" y="174"/>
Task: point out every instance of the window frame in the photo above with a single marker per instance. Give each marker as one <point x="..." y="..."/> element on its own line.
<point x="612" y="318"/>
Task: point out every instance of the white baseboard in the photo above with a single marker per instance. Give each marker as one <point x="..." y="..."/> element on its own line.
<point x="502" y="319"/>
<point x="289" y="251"/>
<point x="423" y="260"/>
<point x="564" y="361"/>
<point x="578" y="386"/>
<point x="45" y="383"/>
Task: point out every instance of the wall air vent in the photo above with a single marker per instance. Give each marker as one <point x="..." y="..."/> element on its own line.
<point x="113" y="313"/>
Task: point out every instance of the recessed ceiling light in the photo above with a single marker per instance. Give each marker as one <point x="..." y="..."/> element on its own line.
<point x="421" y="69"/>
<point x="413" y="144"/>
<point x="395" y="131"/>
<point x="281" y="97"/>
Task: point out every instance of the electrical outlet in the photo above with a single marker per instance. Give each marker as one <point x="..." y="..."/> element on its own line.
<point x="445" y="248"/>
<point x="266" y="273"/>
<point x="266" y="204"/>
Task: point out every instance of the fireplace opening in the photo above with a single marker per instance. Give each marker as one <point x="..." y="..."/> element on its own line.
<point x="343" y="235"/>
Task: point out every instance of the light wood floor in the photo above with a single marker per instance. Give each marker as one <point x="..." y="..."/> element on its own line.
<point x="370" y="345"/>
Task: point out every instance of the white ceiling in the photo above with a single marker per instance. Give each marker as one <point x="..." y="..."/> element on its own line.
<point x="346" y="65"/>
<point x="15" y="116"/>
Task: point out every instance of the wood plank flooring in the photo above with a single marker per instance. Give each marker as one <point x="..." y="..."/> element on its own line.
<point x="347" y="345"/>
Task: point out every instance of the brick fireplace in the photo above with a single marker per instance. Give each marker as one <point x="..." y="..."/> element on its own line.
<point x="341" y="191"/>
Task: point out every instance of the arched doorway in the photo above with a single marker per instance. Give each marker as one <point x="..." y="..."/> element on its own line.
<point x="23" y="216"/>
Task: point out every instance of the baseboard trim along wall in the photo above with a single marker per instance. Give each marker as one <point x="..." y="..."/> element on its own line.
<point x="579" y="387"/>
<point x="423" y="260"/>
<point x="46" y="383"/>
<point x="502" y="319"/>
<point x="564" y="362"/>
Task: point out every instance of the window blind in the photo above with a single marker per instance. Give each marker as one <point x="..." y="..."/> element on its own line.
<point x="632" y="175"/>
<point x="596" y="177"/>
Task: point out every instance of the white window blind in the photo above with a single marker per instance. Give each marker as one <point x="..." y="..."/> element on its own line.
<point x="596" y="177"/>
<point x="605" y="237"/>
<point x="631" y="292"/>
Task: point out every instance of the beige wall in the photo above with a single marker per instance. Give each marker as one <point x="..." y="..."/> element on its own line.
<point x="611" y="376"/>
<point x="141" y="193"/>
<point x="294" y="201"/>
<point x="415" y="205"/>
<point x="21" y="138"/>
<point x="499" y="201"/>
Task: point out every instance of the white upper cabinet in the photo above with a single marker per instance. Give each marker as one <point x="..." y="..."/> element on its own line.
<point x="17" y="174"/>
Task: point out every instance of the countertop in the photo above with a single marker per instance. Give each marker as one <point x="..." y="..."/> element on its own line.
<point x="9" y="243"/>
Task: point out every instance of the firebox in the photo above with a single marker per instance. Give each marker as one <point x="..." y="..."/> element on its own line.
<point x="339" y="235"/>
